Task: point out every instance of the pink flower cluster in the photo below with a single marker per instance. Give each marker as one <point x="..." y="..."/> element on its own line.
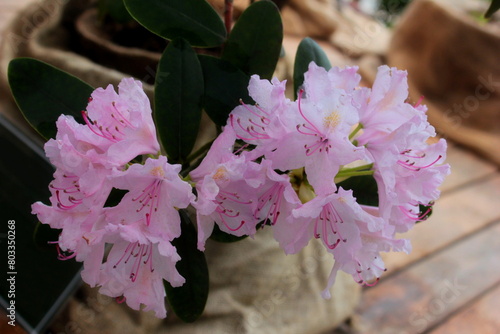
<point x="277" y="163"/>
<point x="91" y="160"/>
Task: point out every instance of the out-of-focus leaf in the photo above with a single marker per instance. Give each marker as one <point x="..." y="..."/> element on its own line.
<point x="254" y="44"/>
<point x="225" y="86"/>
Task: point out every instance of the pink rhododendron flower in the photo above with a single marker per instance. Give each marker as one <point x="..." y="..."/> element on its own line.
<point x="383" y="108"/>
<point x="135" y="267"/>
<point x="155" y="192"/>
<point x="312" y="132"/>
<point x="408" y="171"/>
<point x="354" y="236"/>
<point x="261" y="123"/>
<point x="228" y="190"/>
<point x="277" y="164"/>
<point x="79" y="189"/>
<point x="124" y="120"/>
<point x="71" y="210"/>
<point x="337" y="129"/>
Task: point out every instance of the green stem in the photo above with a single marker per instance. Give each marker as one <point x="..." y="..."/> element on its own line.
<point x="358" y="168"/>
<point x="359" y="127"/>
<point x="354" y="173"/>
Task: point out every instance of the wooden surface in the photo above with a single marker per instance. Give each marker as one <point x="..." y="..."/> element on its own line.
<point x="450" y="283"/>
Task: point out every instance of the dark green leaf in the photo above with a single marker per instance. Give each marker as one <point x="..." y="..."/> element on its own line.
<point x="222" y="236"/>
<point x="193" y="20"/>
<point x="307" y="52"/>
<point x="254" y="44"/>
<point x="178" y="99"/>
<point x="44" y="92"/>
<point x="364" y="188"/>
<point x="494" y="6"/>
<point x="225" y="85"/>
<point x="115" y="197"/>
<point x="188" y="301"/>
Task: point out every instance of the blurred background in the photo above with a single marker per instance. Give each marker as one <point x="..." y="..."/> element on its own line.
<point x="450" y="283"/>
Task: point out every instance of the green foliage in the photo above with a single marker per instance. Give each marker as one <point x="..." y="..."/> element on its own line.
<point x="188" y="301"/>
<point x="254" y="44"/>
<point x="193" y="20"/>
<point x="307" y="52"/>
<point x="364" y="188"/>
<point x="44" y="92"/>
<point x="225" y="85"/>
<point x="178" y="99"/>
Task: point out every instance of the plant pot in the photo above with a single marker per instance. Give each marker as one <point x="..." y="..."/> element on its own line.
<point x="452" y="61"/>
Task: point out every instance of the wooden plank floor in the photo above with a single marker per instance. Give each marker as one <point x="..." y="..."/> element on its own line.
<point x="450" y="283"/>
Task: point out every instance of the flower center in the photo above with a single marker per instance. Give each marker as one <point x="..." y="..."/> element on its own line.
<point x="220" y="174"/>
<point x="158" y="172"/>
<point x="332" y="120"/>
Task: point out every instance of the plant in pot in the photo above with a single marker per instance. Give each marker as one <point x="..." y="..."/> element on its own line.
<point x="331" y="175"/>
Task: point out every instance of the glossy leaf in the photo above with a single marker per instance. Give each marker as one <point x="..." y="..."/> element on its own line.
<point x="178" y="99"/>
<point x="254" y="44"/>
<point x="364" y="188"/>
<point x="307" y="52"/>
<point x="193" y="20"/>
<point x="225" y="86"/>
<point x="44" y="92"/>
<point x="188" y="301"/>
<point x="494" y="6"/>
